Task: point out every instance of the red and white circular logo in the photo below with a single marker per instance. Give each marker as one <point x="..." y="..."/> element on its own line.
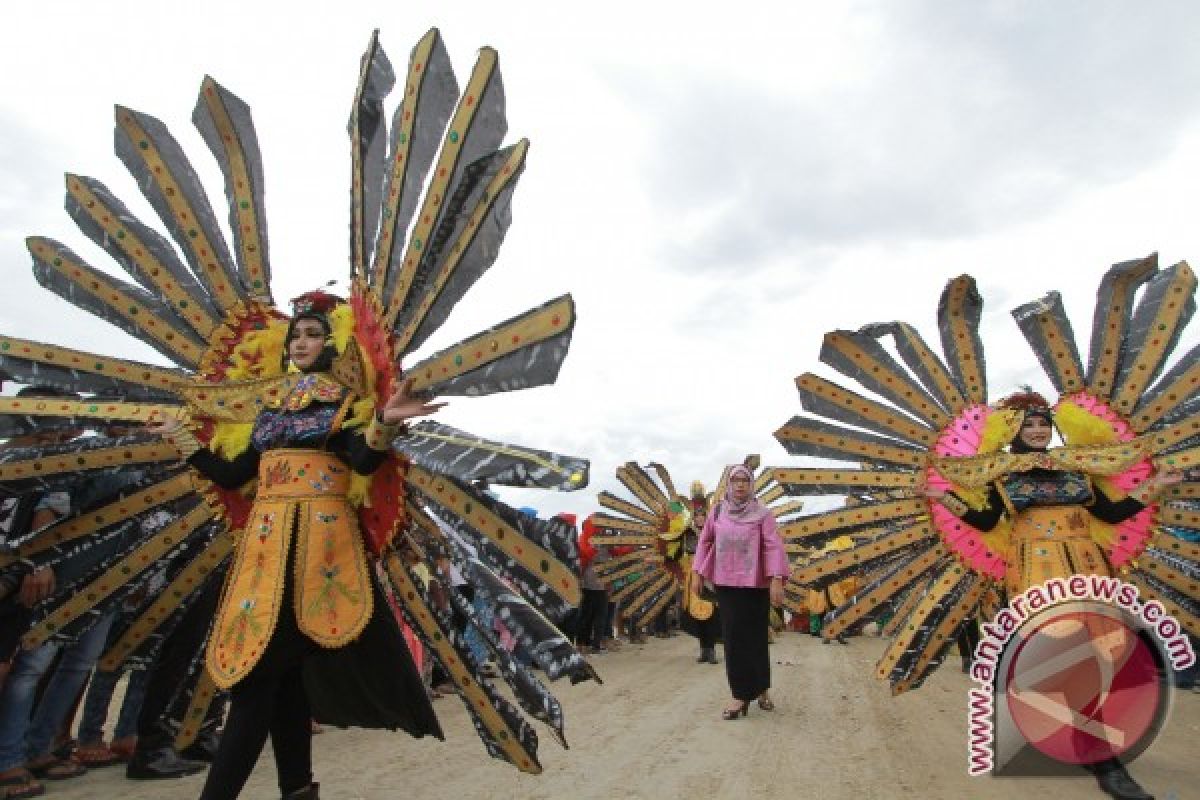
<point x="1084" y="687"/>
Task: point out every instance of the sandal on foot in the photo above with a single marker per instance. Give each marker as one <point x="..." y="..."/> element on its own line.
<point x="93" y="756"/>
<point x="20" y="786"/>
<point x="729" y="714"/>
<point x="53" y="768"/>
<point x="123" y="748"/>
<point x="765" y="704"/>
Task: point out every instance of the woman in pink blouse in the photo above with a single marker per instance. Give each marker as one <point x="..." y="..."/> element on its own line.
<point x="741" y="554"/>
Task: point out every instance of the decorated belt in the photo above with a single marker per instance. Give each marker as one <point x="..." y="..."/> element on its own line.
<point x="299" y="474"/>
<point x="1059" y="523"/>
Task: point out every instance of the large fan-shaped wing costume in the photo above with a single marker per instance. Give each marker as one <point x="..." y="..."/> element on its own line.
<point x="430" y="205"/>
<point x="1121" y="418"/>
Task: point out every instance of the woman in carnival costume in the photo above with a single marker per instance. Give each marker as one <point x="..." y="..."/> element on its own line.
<point x="952" y="522"/>
<point x="312" y="405"/>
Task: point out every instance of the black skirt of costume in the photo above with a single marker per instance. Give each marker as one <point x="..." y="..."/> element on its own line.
<point x="744" y="616"/>
<point x="372" y="682"/>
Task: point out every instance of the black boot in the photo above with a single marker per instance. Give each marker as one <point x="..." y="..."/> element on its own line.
<point x="1115" y="781"/>
<point x="703" y="655"/>
<point x="712" y="655"/>
<point x="307" y="793"/>
<point x="204" y="748"/>
<point x="154" y="765"/>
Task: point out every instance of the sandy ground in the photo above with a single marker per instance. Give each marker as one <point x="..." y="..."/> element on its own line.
<point x="653" y="731"/>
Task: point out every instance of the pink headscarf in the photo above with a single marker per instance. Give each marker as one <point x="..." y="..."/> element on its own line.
<point x="749" y="510"/>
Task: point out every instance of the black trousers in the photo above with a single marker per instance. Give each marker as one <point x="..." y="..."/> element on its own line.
<point x="706" y="630"/>
<point x="271" y="700"/>
<point x="590" y="631"/>
<point x="744" y="617"/>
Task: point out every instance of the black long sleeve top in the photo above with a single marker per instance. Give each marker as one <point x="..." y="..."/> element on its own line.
<point x="1101" y="506"/>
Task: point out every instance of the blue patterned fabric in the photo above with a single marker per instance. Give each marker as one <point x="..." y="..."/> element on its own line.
<point x="1047" y="488"/>
<point x="309" y="427"/>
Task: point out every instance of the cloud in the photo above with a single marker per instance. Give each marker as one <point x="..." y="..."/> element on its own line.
<point x="964" y="119"/>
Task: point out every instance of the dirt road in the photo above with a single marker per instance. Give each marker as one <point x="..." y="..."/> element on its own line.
<point x="653" y="731"/>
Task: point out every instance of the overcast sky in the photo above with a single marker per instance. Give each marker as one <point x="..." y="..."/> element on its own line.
<point x="716" y="188"/>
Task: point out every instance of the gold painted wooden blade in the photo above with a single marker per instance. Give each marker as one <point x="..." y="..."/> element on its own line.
<point x="1179" y="517"/>
<point x="661" y="605"/>
<point x="478" y="217"/>
<point x="527" y="331"/>
<point x="861" y="358"/>
<point x="902" y="578"/>
<point x="90" y="363"/>
<point x="110" y="218"/>
<point x="118" y="455"/>
<point x="861" y="516"/>
<point x="664" y="478"/>
<point x="1168" y="575"/>
<point x="614" y="503"/>
<point x="1114" y="306"/>
<point x="1174" y="433"/>
<point x="825" y="398"/>
<point x="925" y="364"/>
<point x="618" y="568"/>
<point x="529" y="554"/>
<point x="652" y="573"/>
<point x="807" y="437"/>
<point x="904" y="610"/>
<point x="487" y="66"/>
<point x="1180" y="385"/>
<point x="203" y="694"/>
<point x="619" y="525"/>
<point x="236" y="148"/>
<point x="809" y="481"/>
<point x="76" y="527"/>
<point x="184" y="207"/>
<point x="188" y="580"/>
<point x="643" y="479"/>
<point x="473" y="695"/>
<point x="1166" y="305"/>
<point x="836" y="563"/>
<point x="393" y="223"/>
<point x="1165" y="541"/>
<point x="959" y="312"/>
<point x="120" y="300"/>
<point x="236" y="401"/>
<point x="786" y="509"/>
<point x="637" y="482"/>
<point x="1048" y="331"/>
<point x="88" y="409"/>
<point x="120" y="574"/>
<point x="623" y="539"/>
<point x="1180" y="459"/>
<point x="660" y="582"/>
<point x="771" y="495"/>
<point x="1189" y="621"/>
<point x="961" y="610"/>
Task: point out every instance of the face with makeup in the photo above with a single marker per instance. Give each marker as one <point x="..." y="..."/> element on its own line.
<point x="1036" y="432"/>
<point x="306" y="343"/>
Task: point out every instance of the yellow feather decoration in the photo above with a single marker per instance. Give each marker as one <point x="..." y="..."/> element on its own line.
<point x="999" y="429"/>
<point x="1080" y="428"/>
